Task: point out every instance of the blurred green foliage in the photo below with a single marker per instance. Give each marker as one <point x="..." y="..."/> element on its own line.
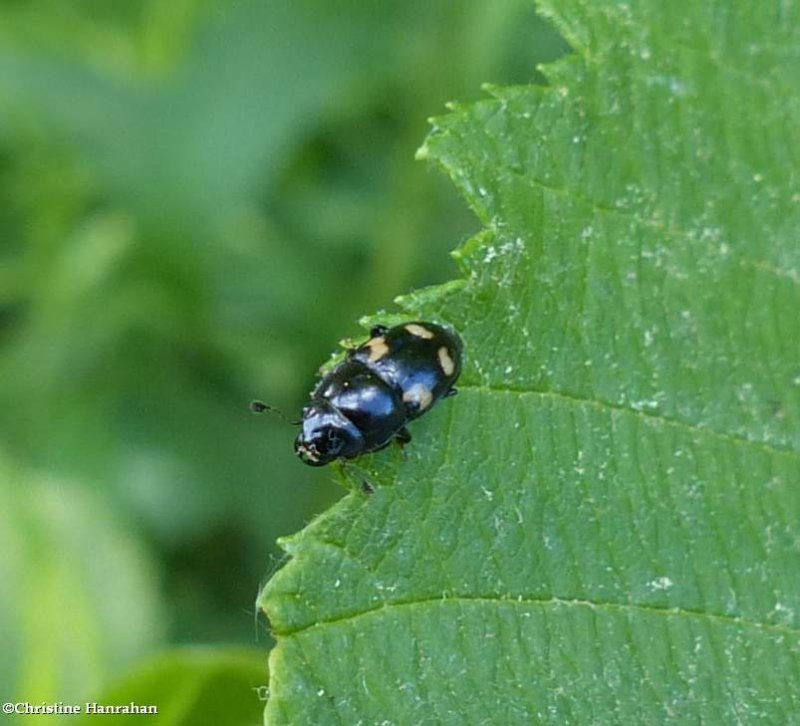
<point x="192" y="686"/>
<point x="197" y="199"/>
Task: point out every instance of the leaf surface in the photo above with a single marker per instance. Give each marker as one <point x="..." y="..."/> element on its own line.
<point x="604" y="526"/>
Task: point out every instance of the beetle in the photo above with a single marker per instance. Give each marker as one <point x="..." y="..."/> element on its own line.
<point x="365" y="402"/>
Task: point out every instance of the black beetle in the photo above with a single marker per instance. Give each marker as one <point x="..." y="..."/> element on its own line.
<point x="366" y="401"/>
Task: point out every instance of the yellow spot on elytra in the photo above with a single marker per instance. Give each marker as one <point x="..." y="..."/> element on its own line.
<point x="419" y="394"/>
<point x="445" y="361"/>
<point x="419" y="330"/>
<point x="377" y="348"/>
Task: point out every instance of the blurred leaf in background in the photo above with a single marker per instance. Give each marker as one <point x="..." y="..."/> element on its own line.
<point x="191" y="687"/>
<point x="197" y="199"/>
<point x="71" y="576"/>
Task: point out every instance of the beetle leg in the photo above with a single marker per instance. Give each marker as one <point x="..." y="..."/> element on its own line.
<point x="451" y="392"/>
<point x="403" y="437"/>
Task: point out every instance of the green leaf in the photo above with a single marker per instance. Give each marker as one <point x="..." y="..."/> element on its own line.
<point x="196" y="686"/>
<point x="604" y="526"/>
<point x="71" y="571"/>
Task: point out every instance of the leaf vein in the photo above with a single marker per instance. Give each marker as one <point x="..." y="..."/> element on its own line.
<point x="553" y="602"/>
<point x="608" y="406"/>
<point x="662" y="226"/>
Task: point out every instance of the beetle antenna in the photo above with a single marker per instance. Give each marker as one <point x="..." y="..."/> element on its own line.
<point x="261" y="407"/>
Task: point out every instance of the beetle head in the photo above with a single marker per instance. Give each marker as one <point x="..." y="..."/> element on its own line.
<point x="326" y="435"/>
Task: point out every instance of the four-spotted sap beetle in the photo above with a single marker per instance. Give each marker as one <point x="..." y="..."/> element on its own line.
<point x="365" y="402"/>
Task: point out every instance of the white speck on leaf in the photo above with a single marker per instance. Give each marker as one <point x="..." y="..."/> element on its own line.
<point x="660" y="583"/>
